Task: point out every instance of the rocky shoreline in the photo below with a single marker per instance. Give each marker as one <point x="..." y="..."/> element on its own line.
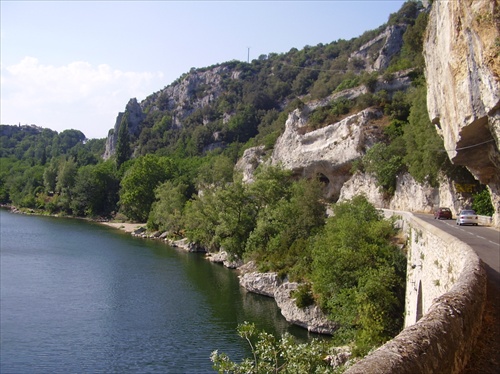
<point x="267" y="284"/>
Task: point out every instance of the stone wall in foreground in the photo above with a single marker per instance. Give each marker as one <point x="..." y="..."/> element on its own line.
<point x="445" y="299"/>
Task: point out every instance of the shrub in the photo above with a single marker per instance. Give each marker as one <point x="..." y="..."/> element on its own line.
<point x="303" y="296"/>
<point x="482" y="203"/>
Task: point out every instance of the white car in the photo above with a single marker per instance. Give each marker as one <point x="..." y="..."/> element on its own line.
<point x="467" y="217"/>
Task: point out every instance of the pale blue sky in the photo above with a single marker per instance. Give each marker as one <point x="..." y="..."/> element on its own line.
<point x="75" y="64"/>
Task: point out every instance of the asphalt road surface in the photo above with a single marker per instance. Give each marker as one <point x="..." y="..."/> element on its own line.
<point x="485" y="241"/>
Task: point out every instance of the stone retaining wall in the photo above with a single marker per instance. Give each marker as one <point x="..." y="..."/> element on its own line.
<point x="445" y="299"/>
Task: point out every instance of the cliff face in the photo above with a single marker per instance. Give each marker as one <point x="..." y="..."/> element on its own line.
<point x="136" y="116"/>
<point x="386" y="45"/>
<point x="195" y="91"/>
<point x="462" y="56"/>
<point x="327" y="152"/>
<point x="199" y="92"/>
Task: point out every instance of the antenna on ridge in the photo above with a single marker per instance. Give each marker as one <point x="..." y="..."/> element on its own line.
<point x="248" y="55"/>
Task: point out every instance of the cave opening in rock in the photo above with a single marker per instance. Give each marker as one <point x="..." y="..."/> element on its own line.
<point x="323" y="179"/>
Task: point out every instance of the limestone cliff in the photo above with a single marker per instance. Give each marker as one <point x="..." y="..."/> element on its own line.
<point x="269" y="284"/>
<point x="193" y="91"/>
<point x="462" y="57"/>
<point x="378" y="52"/>
<point x="135" y="118"/>
<point x="327" y="152"/>
<point x="409" y="195"/>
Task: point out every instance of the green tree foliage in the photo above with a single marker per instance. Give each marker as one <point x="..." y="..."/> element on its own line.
<point x="272" y="355"/>
<point x="23" y="183"/>
<point x="216" y="171"/>
<point x="139" y="183"/>
<point x="243" y="125"/>
<point x="358" y="275"/>
<point x="481" y="203"/>
<point x="95" y="193"/>
<point x="413" y="40"/>
<point x="123" y="151"/>
<point x="399" y="107"/>
<point x="413" y="146"/>
<point x="50" y="175"/>
<point x="201" y="219"/>
<point x="236" y="218"/>
<point x="425" y="156"/>
<point x="66" y="175"/>
<point x="221" y="218"/>
<point x="407" y="13"/>
<point x="385" y="162"/>
<point x="270" y="185"/>
<point x="167" y="211"/>
<point x="259" y="219"/>
<point x="278" y="240"/>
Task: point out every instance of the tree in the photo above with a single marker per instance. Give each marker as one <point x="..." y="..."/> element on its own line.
<point x="278" y="240"/>
<point x="358" y="275"/>
<point x="385" y="162"/>
<point x="425" y="155"/>
<point x="66" y="176"/>
<point x="272" y="355"/>
<point x="50" y="175"/>
<point x="201" y="219"/>
<point x="243" y="125"/>
<point x="482" y="203"/>
<point x="167" y="211"/>
<point x="217" y="171"/>
<point x="139" y="183"/>
<point x="236" y="217"/>
<point x="123" y="151"/>
<point x="96" y="190"/>
<point x="271" y="184"/>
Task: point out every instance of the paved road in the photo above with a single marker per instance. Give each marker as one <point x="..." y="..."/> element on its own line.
<point x="486" y="242"/>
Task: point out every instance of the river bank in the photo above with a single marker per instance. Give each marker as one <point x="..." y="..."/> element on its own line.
<point x="267" y="284"/>
<point x="124" y="226"/>
<point x="81" y="297"/>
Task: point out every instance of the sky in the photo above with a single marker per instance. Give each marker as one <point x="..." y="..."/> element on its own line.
<point x="75" y="64"/>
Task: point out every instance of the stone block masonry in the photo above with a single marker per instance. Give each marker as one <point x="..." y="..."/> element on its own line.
<point x="445" y="299"/>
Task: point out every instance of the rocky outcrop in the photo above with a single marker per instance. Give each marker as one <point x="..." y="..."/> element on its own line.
<point x="135" y="118"/>
<point x="193" y="91"/>
<point x="327" y="152"/>
<point x="269" y="284"/>
<point x="251" y="159"/>
<point x="310" y="317"/>
<point x="463" y="97"/>
<point x="261" y="283"/>
<point x="409" y="195"/>
<point x="222" y="257"/>
<point x="378" y="52"/>
<point x="185" y="244"/>
<point x="363" y="184"/>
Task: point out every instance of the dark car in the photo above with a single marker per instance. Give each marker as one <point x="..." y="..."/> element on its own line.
<point x="443" y="213"/>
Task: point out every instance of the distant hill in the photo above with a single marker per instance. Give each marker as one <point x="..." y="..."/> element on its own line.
<point x="239" y="102"/>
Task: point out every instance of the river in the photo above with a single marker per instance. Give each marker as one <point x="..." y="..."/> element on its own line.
<point x="80" y="297"/>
